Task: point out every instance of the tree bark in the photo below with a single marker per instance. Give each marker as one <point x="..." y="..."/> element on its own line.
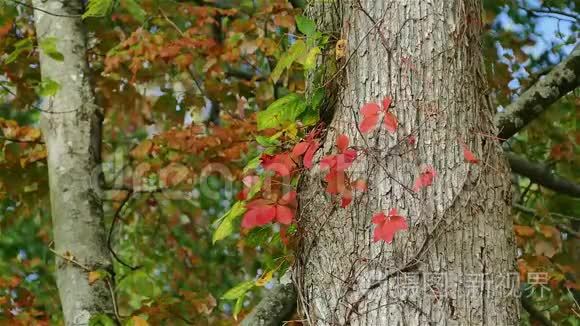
<point x="277" y="305"/>
<point x="455" y="265"/>
<point x="71" y="125"/>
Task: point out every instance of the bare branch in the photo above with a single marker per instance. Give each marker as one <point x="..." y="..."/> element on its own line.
<point x="561" y="227"/>
<point x="542" y="175"/>
<point x="564" y="78"/>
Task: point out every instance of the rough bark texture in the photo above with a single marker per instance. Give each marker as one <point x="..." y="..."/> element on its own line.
<point x="276" y="307"/>
<point x="71" y="127"/>
<point x="542" y="175"/>
<point x="565" y="77"/>
<point x="455" y="264"/>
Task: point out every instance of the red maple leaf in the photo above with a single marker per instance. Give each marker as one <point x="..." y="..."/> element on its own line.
<point x="468" y="155"/>
<point x="425" y="178"/>
<point x="263" y="211"/>
<point x="388" y="225"/>
<point x="371" y="112"/>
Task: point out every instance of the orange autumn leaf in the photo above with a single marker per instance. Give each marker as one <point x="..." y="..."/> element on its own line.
<point x="142" y="150"/>
<point x="524" y="230"/>
<point x="173" y="174"/>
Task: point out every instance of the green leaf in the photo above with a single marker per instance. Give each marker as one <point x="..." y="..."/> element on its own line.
<point x="252" y="164"/>
<point x="101" y="320"/>
<point x="48" y="46"/>
<point x="19" y="47"/>
<point x="134" y="9"/>
<point x="99" y="8"/>
<point x="305" y="25"/>
<point x="238" y="291"/>
<point x="310" y="59"/>
<point x="297" y="50"/>
<point x="238" y="307"/>
<point x="258" y="236"/>
<point x="267" y="141"/>
<point x="48" y="87"/>
<point x="317" y="98"/>
<point x="255" y="188"/>
<point x="226" y="227"/>
<point x="281" y="112"/>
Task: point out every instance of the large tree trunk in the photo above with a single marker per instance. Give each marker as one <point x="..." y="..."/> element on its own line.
<point x="71" y="127"/>
<point x="455" y="265"/>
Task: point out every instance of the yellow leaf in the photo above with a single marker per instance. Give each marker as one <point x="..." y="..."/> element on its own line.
<point x="139" y="321"/>
<point x="94" y="276"/>
<point x="28" y="133"/>
<point x="340" y="49"/>
<point x="142" y="150"/>
<point x="265" y="278"/>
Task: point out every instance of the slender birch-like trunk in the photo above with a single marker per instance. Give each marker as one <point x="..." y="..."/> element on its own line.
<point x="455" y="265"/>
<point x="71" y="126"/>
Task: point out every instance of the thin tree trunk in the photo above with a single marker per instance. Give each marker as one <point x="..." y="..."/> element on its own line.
<point x="455" y="265"/>
<point x="71" y="127"/>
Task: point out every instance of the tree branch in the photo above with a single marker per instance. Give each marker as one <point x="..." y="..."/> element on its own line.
<point x="564" y="78"/>
<point x="276" y="307"/>
<point x="542" y="175"/>
<point x="561" y="227"/>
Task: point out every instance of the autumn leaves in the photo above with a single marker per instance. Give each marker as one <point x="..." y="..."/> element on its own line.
<point x="278" y="203"/>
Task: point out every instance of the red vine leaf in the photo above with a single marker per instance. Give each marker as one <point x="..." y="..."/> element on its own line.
<point x="300" y="149"/>
<point x="387" y="225"/>
<point x="468" y="155"/>
<point x="282" y="164"/>
<point x="425" y="178"/>
<point x="263" y="211"/>
<point x="306" y="148"/>
<point x="387" y="102"/>
<point x="390" y="122"/>
<point x="370" y="113"/>
<point x="360" y="185"/>
<point x="342" y="142"/>
<point x="309" y="155"/>
<point x="346" y="198"/>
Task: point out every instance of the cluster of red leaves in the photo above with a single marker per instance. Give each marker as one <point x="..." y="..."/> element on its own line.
<point x="277" y="207"/>
<point x="267" y="210"/>
<point x="371" y="114"/>
<point x="307" y="147"/>
<point x="338" y="182"/>
<point x="281" y="208"/>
